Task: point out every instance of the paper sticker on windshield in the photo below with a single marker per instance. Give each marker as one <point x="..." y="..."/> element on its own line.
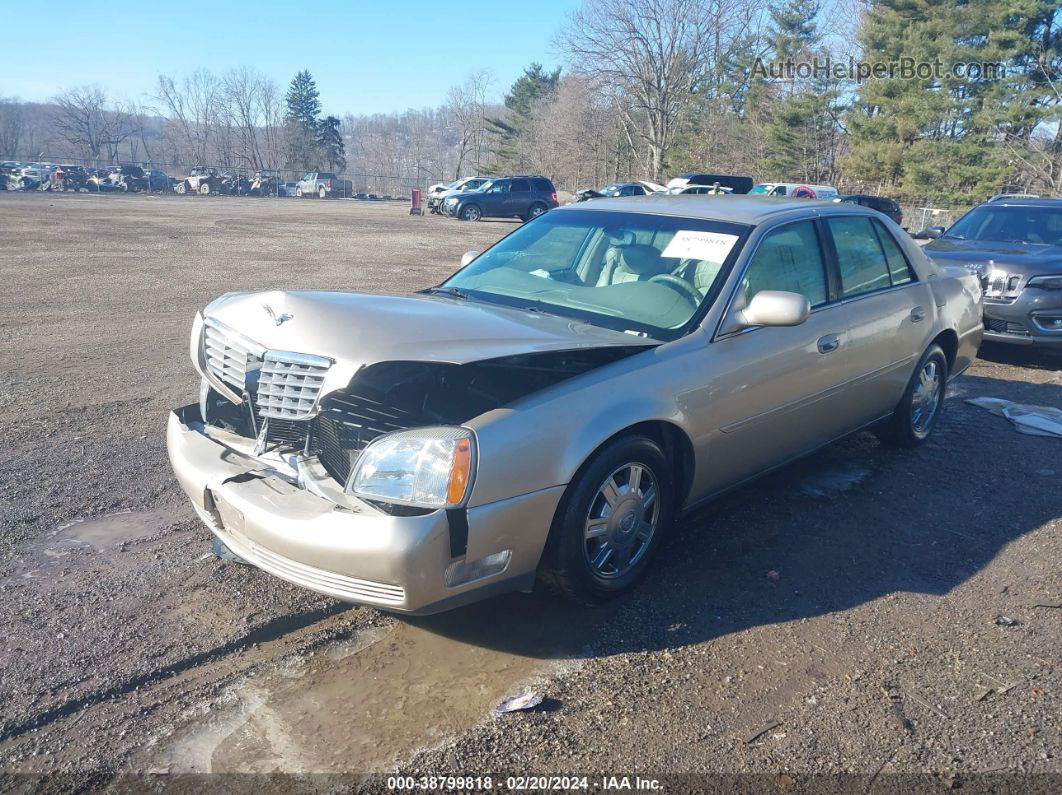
<point x="710" y="246"/>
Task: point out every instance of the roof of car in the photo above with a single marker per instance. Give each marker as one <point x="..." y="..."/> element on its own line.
<point x="738" y="209"/>
<point x="1040" y="201"/>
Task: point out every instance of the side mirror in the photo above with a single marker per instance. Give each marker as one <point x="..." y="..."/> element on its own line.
<point x="468" y="256"/>
<point x="933" y="232"/>
<point x="772" y="308"/>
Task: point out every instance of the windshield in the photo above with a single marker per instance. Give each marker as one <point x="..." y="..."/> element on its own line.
<point x="1031" y="225"/>
<point x="627" y="271"/>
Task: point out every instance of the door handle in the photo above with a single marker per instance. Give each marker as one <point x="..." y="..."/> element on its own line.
<point x="829" y="343"/>
<point x="918" y="314"/>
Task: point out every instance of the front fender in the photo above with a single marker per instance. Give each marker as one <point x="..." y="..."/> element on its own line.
<point x="541" y="441"/>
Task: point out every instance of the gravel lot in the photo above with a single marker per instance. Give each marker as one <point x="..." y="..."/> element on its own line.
<point x="838" y="617"/>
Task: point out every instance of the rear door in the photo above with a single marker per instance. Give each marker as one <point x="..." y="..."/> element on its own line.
<point x="773" y="393"/>
<point x="888" y="310"/>
<point x="519" y="197"/>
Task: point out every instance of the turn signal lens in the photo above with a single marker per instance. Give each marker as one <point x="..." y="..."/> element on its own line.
<point x="460" y="472"/>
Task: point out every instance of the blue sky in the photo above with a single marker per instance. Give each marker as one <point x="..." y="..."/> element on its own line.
<point x="367" y="57"/>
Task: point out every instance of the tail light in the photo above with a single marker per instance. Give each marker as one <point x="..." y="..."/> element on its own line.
<point x="553" y="196"/>
<point x="328" y="183"/>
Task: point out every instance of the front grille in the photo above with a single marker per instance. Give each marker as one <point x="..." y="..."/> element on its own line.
<point x="347" y="422"/>
<point x="1005" y="327"/>
<point x="228" y="355"/>
<point x="290" y="384"/>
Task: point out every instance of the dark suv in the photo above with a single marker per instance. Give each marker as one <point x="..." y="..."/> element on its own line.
<point x="504" y="197"/>
<point x="879" y="203"/>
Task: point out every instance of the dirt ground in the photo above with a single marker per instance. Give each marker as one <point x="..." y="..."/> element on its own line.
<point x="840" y="617"/>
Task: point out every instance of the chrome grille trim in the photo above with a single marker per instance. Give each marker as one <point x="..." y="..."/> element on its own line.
<point x="289" y="384"/>
<point x="228" y="355"/>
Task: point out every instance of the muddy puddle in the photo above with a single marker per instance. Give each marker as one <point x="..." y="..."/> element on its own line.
<point x="370" y="701"/>
<point x="106" y="534"/>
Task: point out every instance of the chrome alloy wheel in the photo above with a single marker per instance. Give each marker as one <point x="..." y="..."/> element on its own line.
<point x="928" y="393"/>
<point x="622" y="519"/>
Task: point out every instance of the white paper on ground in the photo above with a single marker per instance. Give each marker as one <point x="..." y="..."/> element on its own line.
<point x="710" y="246"/>
<point x="1033" y="420"/>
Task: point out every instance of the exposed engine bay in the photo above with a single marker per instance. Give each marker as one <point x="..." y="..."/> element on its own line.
<point x="398" y="395"/>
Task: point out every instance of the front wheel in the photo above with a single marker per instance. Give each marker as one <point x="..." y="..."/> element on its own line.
<point x="298" y="193"/>
<point x="471" y="213"/>
<point x="182" y="188"/>
<point x="610" y="522"/>
<point x="204" y="189"/>
<point x="919" y="409"/>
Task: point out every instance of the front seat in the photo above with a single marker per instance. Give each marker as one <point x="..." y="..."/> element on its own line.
<point x="637" y="263"/>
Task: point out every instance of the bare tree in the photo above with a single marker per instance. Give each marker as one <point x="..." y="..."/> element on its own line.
<point x="193" y="107"/>
<point x="648" y="55"/>
<point x="82" y="118"/>
<point x="12" y="125"/>
<point x="466" y="107"/>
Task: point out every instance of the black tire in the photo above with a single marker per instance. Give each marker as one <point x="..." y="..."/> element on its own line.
<point x="470" y="212"/>
<point x="566" y="569"/>
<point x="906" y="428"/>
<point x="534" y="211"/>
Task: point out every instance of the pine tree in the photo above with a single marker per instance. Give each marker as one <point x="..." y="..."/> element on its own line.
<point x="330" y="143"/>
<point x="303" y="100"/>
<point x="304" y="107"/>
<point x="534" y="84"/>
<point x="945" y="135"/>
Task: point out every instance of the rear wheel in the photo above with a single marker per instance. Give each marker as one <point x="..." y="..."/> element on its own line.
<point x="535" y="211"/>
<point x="471" y="212"/>
<point x="204" y="189"/>
<point x="182" y="188"/>
<point x="322" y="192"/>
<point x="919" y="409"/>
<point x="610" y="521"/>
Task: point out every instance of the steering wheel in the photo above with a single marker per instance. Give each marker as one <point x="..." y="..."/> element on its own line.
<point x="680" y="285"/>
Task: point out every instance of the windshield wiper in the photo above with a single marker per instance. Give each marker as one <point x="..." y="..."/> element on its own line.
<point x="453" y="292"/>
<point x="955" y="237"/>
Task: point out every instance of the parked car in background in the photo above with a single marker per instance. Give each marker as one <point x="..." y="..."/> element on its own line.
<point x="157" y="181"/>
<point x="203" y="180"/>
<point x="880" y="203"/>
<point x="700" y="190"/>
<point x="504" y="197"/>
<point x="586" y="194"/>
<point x="235" y="184"/>
<point x="265" y="182"/>
<point x="1015" y="245"/>
<point x="465" y="185"/>
<point x="287" y="189"/>
<point x="323" y="185"/>
<point x="624" y="189"/>
<point x="128" y="179"/>
<point x="1000" y="196"/>
<point x="419" y="452"/>
<point x="75" y="178"/>
<point x="739" y="185"/>
<point x="794" y="190"/>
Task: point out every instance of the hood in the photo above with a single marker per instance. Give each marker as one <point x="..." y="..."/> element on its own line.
<point x="1029" y="260"/>
<point x="357" y="329"/>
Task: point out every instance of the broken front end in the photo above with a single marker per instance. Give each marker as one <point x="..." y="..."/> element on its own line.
<point x="356" y="480"/>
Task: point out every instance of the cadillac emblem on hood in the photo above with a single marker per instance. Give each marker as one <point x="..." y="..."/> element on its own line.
<point x="278" y="319"/>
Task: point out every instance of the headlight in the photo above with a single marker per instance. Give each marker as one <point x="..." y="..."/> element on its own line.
<point x="1046" y="282"/>
<point x="194" y="342"/>
<point x="426" y="468"/>
<point x="452" y="200"/>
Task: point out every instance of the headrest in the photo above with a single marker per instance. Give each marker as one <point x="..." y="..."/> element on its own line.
<point x="642" y="259"/>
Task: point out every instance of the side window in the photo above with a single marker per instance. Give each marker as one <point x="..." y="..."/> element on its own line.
<point x="499" y="187"/>
<point x="779" y="191"/>
<point x="859" y="255"/>
<point x="520" y="186"/>
<point x="790" y="259"/>
<point x="899" y="268"/>
<point x="541" y="185"/>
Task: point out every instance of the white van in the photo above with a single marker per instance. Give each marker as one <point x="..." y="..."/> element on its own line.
<point x="796" y="190"/>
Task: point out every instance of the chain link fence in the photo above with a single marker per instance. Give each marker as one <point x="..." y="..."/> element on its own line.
<point x="164" y="177"/>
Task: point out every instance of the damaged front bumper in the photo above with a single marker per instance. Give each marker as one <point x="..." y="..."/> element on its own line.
<point x="279" y="516"/>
